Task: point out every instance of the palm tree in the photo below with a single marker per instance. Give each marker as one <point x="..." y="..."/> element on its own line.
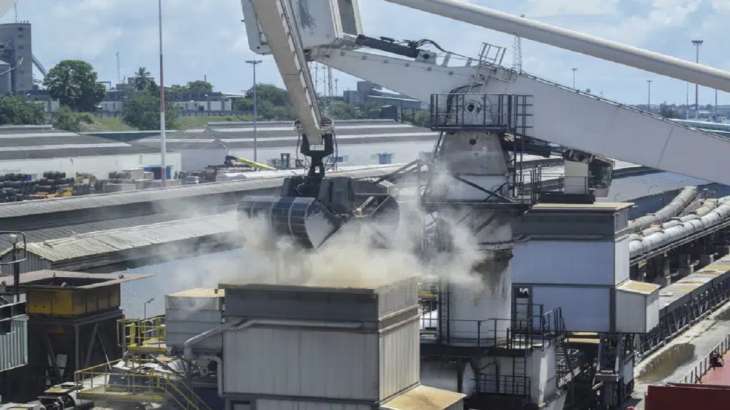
<point x="142" y="79"/>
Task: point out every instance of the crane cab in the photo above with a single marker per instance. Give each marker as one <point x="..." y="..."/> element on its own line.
<point x="320" y="23"/>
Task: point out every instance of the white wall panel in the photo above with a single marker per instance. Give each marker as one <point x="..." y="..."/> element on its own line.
<point x="584" y="309"/>
<point x="399" y="359"/>
<point x="557" y="262"/>
<point x="622" y="258"/>
<point x="272" y="361"/>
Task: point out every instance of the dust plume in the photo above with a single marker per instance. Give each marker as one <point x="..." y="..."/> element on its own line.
<point x="359" y="255"/>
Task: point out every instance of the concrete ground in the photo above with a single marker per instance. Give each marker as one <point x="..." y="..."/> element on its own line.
<point x="673" y="361"/>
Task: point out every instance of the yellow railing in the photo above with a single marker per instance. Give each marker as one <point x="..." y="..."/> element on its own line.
<point x="145" y="335"/>
<point x="137" y="383"/>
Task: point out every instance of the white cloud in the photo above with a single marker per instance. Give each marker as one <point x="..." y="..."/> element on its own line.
<point x="207" y="36"/>
<point x="722" y="6"/>
<point x="543" y="8"/>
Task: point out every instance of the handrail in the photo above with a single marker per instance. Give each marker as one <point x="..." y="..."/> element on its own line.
<point x="142" y="333"/>
<point x="138" y="380"/>
<point x="702" y="367"/>
<point x="508" y="333"/>
<point x="504" y="384"/>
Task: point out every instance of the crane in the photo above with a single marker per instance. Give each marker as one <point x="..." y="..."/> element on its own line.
<point x="489" y="117"/>
<point x="297" y="32"/>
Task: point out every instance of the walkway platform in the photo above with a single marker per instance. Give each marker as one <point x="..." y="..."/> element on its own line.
<point x="719" y="376"/>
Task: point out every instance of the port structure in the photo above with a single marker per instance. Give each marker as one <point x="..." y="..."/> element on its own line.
<point x="472" y="176"/>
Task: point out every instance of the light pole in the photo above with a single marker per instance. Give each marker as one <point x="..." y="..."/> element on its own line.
<point x="697" y="44"/>
<point x="574" y="71"/>
<point x="150" y="300"/>
<point x="254" y="63"/>
<point x="648" y="105"/>
<point x="163" y="131"/>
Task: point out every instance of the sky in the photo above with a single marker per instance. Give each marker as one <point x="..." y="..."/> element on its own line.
<point x="206" y="39"/>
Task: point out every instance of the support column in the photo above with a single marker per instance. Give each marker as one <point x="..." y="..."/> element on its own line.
<point x="707" y="254"/>
<point x="666" y="270"/>
<point x="685" y="266"/>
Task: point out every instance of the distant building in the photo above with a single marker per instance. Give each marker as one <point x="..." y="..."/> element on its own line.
<point x="368" y="93"/>
<point x="214" y="103"/>
<point x="16" y="52"/>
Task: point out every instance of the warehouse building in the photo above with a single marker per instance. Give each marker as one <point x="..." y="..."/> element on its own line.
<point x="118" y="249"/>
<point x="360" y="142"/>
<point x="37" y="149"/>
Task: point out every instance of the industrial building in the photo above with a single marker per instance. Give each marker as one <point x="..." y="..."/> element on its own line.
<point x="201" y="147"/>
<point x="558" y="240"/>
<point x="17" y="60"/>
<point x="37" y="149"/>
<point x="214" y="103"/>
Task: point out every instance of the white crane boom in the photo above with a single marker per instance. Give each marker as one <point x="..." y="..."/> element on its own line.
<point x="275" y="20"/>
<point x="571" y="40"/>
<point x="559" y="114"/>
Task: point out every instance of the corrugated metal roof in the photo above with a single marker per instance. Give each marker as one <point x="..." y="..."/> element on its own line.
<point x="117" y="240"/>
<point x="40" y="235"/>
<point x="20" y="209"/>
<point x="97" y="280"/>
<point x="35" y="142"/>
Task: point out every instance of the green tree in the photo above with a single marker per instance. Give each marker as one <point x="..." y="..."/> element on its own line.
<point x="143" y="80"/>
<point x="270" y="93"/>
<point x="340" y="110"/>
<point x="199" y="87"/>
<point x="668" y="111"/>
<point x="142" y="111"/>
<point x="68" y="120"/>
<point x="17" y="111"/>
<point x="74" y="84"/>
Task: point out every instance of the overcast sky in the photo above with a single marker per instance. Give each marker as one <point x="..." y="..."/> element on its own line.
<point x="207" y="38"/>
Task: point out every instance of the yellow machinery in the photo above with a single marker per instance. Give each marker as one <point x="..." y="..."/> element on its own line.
<point x="72" y="323"/>
<point x="143" y="336"/>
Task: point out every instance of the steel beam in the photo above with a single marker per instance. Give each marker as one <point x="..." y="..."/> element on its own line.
<point x="574" y="41"/>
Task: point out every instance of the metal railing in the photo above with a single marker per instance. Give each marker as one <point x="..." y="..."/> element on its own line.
<point x="702" y="367"/>
<point x="142" y="334"/>
<point x="495" y="112"/>
<point x="507" y="385"/>
<point x="525" y="332"/>
<point x="138" y="383"/>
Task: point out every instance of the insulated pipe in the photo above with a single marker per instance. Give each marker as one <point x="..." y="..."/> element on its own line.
<point x="675" y="207"/>
<point x="572" y="40"/>
<point x="711" y="213"/>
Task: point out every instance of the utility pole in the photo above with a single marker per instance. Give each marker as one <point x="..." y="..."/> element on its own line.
<point x="337" y="87"/>
<point x="697" y="44"/>
<point x="575" y="69"/>
<point x="648" y="105"/>
<point x="119" y="70"/>
<point x="254" y="63"/>
<point x="163" y="130"/>
<point x="330" y="85"/>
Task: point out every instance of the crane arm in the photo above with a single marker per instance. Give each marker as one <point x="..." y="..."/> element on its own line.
<point x="276" y="22"/>
<point x="559" y="114"/>
<point x="574" y="41"/>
